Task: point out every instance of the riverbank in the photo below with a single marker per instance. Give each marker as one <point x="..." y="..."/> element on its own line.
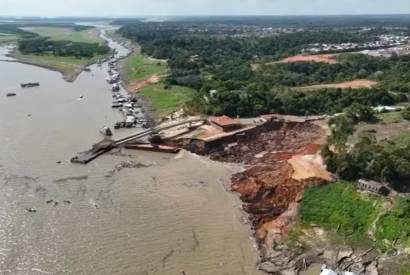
<point x="143" y="76"/>
<point x="129" y="212"/>
<point x="69" y="66"/>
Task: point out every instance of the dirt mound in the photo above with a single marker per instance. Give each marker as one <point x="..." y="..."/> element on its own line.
<point x="309" y="166"/>
<point x="138" y="84"/>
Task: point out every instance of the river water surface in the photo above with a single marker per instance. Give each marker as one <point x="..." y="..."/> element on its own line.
<point x="166" y="214"/>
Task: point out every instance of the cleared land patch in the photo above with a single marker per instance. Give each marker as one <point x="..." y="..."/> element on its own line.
<point x="324" y="58"/>
<point x="353" y="84"/>
<point x="166" y="99"/>
<point x="390" y="126"/>
<point x="139" y="66"/>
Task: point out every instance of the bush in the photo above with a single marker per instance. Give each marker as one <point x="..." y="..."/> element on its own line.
<point x="406" y="113"/>
<point x="395" y="225"/>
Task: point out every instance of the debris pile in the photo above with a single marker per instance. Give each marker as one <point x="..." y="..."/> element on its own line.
<point x="279" y="166"/>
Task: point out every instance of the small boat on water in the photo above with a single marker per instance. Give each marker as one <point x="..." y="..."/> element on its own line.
<point x="153" y="147"/>
<point x="30" y="85"/>
<point x="116" y="105"/>
<point x="87" y="69"/>
<point x="10" y="94"/>
<point x="106" y="131"/>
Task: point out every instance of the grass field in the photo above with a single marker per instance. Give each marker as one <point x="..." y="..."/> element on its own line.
<point x="395" y="225"/>
<point x="69" y="66"/>
<point x="7" y="38"/>
<point x="391" y="125"/>
<point x="139" y="66"/>
<point x="57" y="59"/>
<point x="164" y="100"/>
<point x="338" y="207"/>
<point x="60" y="33"/>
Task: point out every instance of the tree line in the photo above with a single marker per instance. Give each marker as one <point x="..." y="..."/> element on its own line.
<point x="42" y="45"/>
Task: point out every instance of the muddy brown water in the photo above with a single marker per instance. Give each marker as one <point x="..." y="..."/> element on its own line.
<point x="126" y="212"/>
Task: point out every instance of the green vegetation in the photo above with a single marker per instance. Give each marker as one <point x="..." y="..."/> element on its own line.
<point x="358" y="219"/>
<point x="394" y="227"/>
<point x="338" y="207"/>
<point x="7" y="38"/>
<point x="43" y="46"/>
<point x="139" y="66"/>
<point x="403" y="138"/>
<point x="391" y="117"/>
<point x="65" y="48"/>
<point x="406" y="113"/>
<point x="166" y="99"/>
<point x="207" y="56"/>
<point x="88" y="35"/>
<point x="57" y="59"/>
<point x="368" y="158"/>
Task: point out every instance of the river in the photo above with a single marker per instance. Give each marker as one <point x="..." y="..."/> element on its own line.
<point x="166" y="215"/>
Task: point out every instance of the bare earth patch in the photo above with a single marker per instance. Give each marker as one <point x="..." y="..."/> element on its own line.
<point x="325" y="58"/>
<point x="138" y="84"/>
<point x="354" y="84"/>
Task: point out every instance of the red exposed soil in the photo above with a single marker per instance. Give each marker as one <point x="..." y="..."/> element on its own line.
<point x="325" y="58"/>
<point x="138" y="84"/>
<point x="267" y="186"/>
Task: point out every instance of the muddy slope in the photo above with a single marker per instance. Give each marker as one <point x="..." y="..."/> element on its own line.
<point x="267" y="186"/>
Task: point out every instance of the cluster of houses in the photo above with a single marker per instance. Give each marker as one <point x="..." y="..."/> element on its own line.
<point x="383" y="42"/>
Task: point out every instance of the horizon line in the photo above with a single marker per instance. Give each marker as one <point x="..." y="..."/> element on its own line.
<point x="202" y="15"/>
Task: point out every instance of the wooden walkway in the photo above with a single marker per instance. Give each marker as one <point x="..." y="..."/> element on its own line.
<point x="106" y="145"/>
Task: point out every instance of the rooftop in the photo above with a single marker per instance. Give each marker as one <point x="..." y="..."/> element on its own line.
<point x="224" y="120"/>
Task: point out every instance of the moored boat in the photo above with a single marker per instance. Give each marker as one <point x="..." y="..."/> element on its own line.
<point x="30" y="85"/>
<point x="153" y="147"/>
<point x="10" y="94"/>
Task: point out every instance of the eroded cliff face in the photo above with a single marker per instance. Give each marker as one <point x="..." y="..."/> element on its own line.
<point x="280" y="163"/>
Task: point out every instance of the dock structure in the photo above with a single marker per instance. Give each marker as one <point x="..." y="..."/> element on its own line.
<point x="106" y="145"/>
<point x="97" y="150"/>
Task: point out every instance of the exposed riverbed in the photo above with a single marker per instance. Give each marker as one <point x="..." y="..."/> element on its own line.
<point x="125" y="213"/>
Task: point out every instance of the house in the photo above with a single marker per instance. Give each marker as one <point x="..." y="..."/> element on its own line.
<point x="225" y="123"/>
<point x="373" y="186"/>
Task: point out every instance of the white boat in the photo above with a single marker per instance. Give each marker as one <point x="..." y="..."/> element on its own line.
<point x="129" y="121"/>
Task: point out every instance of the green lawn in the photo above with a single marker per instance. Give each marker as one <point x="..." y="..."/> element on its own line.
<point x="64" y="33"/>
<point x="139" y="66"/>
<point x="164" y="100"/>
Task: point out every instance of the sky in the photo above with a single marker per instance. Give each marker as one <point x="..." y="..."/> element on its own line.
<point x="118" y="8"/>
